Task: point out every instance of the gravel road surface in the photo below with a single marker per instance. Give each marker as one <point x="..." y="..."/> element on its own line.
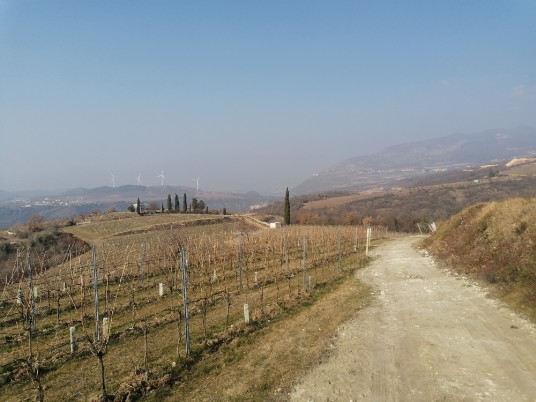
<point x="429" y="335"/>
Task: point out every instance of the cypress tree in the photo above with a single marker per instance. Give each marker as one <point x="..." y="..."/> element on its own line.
<point x="184" y="203"/>
<point x="287" y="208"/>
<point x="169" y="203"/>
<point x="176" y="206"/>
<point x="138" y="207"/>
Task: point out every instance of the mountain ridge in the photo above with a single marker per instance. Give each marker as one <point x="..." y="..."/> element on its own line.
<point x="417" y="158"/>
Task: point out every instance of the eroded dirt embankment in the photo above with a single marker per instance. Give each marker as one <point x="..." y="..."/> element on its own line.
<point x="428" y="336"/>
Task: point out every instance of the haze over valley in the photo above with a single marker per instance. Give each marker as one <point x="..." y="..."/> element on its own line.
<point x="392" y="167"/>
<point x="285" y="200"/>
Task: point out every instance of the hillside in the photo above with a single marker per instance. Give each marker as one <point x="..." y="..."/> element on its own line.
<point x="415" y="201"/>
<point x="420" y="159"/>
<point x="137" y="323"/>
<point x="494" y="242"/>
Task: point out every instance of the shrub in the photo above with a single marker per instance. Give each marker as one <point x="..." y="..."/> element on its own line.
<point x="6" y="248"/>
<point x="45" y="239"/>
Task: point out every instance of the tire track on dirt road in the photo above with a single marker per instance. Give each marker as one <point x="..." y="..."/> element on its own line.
<point x="429" y="335"/>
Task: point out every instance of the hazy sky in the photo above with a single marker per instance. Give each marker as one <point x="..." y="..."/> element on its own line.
<point x="248" y="95"/>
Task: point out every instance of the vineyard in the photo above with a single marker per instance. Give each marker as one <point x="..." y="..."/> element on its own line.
<point x="150" y="298"/>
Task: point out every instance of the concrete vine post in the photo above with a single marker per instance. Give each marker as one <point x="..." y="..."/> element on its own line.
<point x="369" y="235"/>
<point x="72" y="339"/>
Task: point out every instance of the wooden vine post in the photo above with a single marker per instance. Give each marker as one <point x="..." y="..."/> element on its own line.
<point x="304" y="263"/>
<point x="184" y="268"/>
<point x="240" y="259"/>
<point x="96" y="291"/>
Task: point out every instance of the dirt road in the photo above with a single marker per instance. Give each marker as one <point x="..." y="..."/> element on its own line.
<point x="429" y="335"/>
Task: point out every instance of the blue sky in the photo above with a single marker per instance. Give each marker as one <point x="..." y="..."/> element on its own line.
<point x="248" y="95"/>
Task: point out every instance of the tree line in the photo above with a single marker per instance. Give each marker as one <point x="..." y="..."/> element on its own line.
<point x="173" y="205"/>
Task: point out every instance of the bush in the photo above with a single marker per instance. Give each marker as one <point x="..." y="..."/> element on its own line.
<point x="45" y="240"/>
<point x="36" y="223"/>
<point x="70" y="222"/>
<point x="22" y="234"/>
<point x="6" y="248"/>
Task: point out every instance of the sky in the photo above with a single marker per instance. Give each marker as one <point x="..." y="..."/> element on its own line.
<point x="248" y="95"/>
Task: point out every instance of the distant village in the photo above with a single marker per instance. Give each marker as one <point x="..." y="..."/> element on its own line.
<point x="24" y="203"/>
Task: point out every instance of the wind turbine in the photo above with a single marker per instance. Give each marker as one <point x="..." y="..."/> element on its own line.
<point x="162" y="177"/>
<point x="139" y="179"/>
<point x="197" y="181"/>
<point x="113" y="180"/>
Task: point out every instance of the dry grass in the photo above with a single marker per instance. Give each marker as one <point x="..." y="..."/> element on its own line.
<point x="495" y="242"/>
<point x="263" y="366"/>
<point x="122" y="223"/>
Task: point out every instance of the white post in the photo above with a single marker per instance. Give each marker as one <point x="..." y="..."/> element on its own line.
<point x="246" y="313"/>
<point x="311" y="282"/>
<point x="19" y="297"/>
<point x="72" y="338"/>
<point x="35" y="291"/>
<point x="255" y="283"/>
<point x="369" y="235"/>
<point x="366" y="242"/>
<point x="161" y="289"/>
<point x="105" y="328"/>
<point x="214" y="276"/>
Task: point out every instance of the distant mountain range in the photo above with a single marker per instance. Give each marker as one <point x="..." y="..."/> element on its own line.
<point x="130" y="193"/>
<point x="214" y="199"/>
<point x="420" y="158"/>
<point x="383" y="169"/>
<point x="18" y="207"/>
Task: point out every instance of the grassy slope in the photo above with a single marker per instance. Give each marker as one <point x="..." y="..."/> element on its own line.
<point x="495" y="242"/>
